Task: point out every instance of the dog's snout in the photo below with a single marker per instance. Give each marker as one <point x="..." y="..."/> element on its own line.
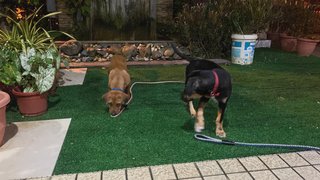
<point x="114" y="113"/>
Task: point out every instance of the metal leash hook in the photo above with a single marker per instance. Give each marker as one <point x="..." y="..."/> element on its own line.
<point x="205" y="138"/>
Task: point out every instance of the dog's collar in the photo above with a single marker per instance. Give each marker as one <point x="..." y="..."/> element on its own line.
<point x="216" y="84"/>
<point x="117" y="89"/>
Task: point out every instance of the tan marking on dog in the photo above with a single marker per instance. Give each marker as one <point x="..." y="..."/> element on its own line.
<point x="191" y="109"/>
<point x="219" y="127"/>
<point x="199" y="125"/>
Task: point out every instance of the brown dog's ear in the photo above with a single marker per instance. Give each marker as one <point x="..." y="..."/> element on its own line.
<point x="126" y="98"/>
<point x="105" y="97"/>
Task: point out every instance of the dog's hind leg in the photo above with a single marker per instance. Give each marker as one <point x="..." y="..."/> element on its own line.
<point x="199" y="124"/>
<point x="191" y="109"/>
<point x="219" y="125"/>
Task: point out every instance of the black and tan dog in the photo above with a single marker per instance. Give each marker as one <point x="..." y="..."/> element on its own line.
<point x="119" y="81"/>
<point x="204" y="80"/>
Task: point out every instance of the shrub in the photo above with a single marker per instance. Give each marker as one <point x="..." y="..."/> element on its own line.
<point x="205" y="28"/>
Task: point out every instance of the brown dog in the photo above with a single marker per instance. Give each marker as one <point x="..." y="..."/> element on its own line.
<point x="119" y="80"/>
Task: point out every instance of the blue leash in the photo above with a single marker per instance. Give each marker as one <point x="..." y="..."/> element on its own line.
<point x="205" y="138"/>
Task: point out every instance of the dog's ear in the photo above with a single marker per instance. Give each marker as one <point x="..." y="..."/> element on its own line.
<point x="191" y="86"/>
<point x="105" y="96"/>
<point x="126" y="98"/>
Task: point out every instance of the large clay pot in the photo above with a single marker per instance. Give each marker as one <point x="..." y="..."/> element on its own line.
<point x="31" y="104"/>
<point x="288" y="43"/>
<point x="4" y="100"/>
<point x="305" y="47"/>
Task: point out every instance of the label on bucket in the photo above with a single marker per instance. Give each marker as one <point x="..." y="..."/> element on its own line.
<point x="236" y="44"/>
<point x="243" y="51"/>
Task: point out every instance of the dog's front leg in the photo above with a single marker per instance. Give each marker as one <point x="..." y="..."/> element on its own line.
<point x="219" y="125"/>
<point x="199" y="125"/>
<point x="191" y="109"/>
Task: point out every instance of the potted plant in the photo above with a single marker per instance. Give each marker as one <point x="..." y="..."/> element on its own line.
<point x="293" y="9"/>
<point x="33" y="61"/>
<point x="306" y="29"/>
<point x="249" y="17"/>
<point x="276" y="23"/>
<point x="4" y="100"/>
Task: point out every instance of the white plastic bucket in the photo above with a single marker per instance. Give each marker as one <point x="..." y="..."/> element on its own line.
<point x="242" y="51"/>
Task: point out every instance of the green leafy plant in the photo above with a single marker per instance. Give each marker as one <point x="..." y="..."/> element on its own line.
<point x="205" y="28"/>
<point x="277" y="16"/>
<point x="27" y="32"/>
<point x="9" y="66"/>
<point x="30" y="58"/>
<point x="38" y="69"/>
<point x="251" y="16"/>
<point x="307" y="22"/>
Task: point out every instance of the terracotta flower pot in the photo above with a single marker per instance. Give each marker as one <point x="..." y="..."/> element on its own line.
<point x="305" y="47"/>
<point x="275" y="39"/>
<point x="31" y="104"/>
<point x="288" y="43"/>
<point x="4" y="100"/>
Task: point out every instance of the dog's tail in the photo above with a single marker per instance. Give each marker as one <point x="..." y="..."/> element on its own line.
<point x="182" y="55"/>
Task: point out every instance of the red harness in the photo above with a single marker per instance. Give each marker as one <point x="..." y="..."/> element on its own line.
<point x="216" y="84"/>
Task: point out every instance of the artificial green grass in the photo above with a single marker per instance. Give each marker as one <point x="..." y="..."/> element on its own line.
<point x="274" y="100"/>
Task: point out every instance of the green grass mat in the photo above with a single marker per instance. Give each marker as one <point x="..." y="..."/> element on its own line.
<point x="275" y="100"/>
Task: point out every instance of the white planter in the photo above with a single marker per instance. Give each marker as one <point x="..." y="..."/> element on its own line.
<point x="242" y="51"/>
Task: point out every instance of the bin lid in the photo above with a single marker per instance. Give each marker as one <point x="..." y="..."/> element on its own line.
<point x="244" y="36"/>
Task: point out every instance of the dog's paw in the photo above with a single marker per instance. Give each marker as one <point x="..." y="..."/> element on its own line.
<point x="198" y="128"/>
<point x="221" y="133"/>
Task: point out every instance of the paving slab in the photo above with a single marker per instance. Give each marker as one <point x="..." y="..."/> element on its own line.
<point x="286" y="173"/>
<point x="142" y="173"/>
<point x="308" y="172"/>
<point x="242" y="176"/>
<point x="119" y="174"/>
<point x="241" y="168"/>
<point x="91" y="176"/>
<point x="311" y="156"/>
<point x="72" y="76"/>
<point x="163" y="172"/>
<point x="293" y="159"/>
<point x="263" y="175"/>
<point x="209" y="168"/>
<point x="231" y="166"/>
<point x="33" y="150"/>
<point x="252" y="163"/>
<point x="273" y="161"/>
<point x="186" y="170"/>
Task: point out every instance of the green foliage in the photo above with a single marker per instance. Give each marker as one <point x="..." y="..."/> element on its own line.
<point x="298" y="18"/>
<point x="206" y="28"/>
<point x="277" y="15"/>
<point x="9" y="66"/>
<point x="251" y="16"/>
<point x="29" y="57"/>
<point x="27" y="32"/>
<point x="38" y="69"/>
